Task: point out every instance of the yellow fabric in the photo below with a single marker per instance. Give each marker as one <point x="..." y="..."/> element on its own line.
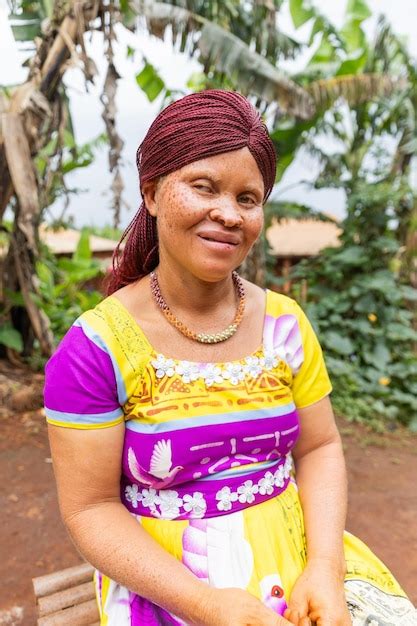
<point x="312" y="382"/>
<point x="275" y="532"/>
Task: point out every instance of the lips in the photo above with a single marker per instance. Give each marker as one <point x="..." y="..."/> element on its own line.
<point x="220" y="237"/>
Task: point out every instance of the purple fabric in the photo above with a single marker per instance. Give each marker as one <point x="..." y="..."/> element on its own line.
<point x="79" y="377"/>
<point x="210" y="490"/>
<point x="166" y="469"/>
<point x="203" y="451"/>
<point x="145" y="613"/>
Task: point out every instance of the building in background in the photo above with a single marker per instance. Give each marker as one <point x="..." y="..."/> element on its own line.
<point x="291" y="240"/>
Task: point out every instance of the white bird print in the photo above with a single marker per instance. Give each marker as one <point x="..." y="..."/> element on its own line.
<point x="160" y="466"/>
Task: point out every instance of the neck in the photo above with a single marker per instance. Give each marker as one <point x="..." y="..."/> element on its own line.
<point x="186" y="292"/>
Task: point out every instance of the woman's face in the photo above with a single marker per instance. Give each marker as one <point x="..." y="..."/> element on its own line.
<point x="209" y="213"/>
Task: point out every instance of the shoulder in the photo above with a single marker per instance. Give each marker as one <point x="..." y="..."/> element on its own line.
<point x="278" y="304"/>
<point x="82" y="388"/>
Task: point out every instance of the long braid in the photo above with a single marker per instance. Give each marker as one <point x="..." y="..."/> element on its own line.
<point x="196" y="127"/>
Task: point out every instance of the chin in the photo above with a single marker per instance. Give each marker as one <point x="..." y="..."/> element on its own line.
<point x="214" y="274"/>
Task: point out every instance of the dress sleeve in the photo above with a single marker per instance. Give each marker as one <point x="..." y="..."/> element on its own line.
<point x="80" y="384"/>
<point x="311" y="382"/>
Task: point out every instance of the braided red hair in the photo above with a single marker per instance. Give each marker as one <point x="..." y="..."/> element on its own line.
<point x="198" y="126"/>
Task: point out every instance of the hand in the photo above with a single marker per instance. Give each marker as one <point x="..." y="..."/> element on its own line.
<point x="236" y="607"/>
<point x="318" y="596"/>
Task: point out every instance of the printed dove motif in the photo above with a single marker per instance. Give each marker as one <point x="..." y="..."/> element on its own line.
<point x="160" y="466"/>
<point x="161" y="459"/>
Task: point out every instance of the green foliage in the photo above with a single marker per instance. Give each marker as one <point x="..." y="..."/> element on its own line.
<point x="150" y="82"/>
<point x="226" y="39"/>
<point x="359" y="295"/>
<point x="64" y="294"/>
<point x="107" y="232"/>
<point x="10" y="337"/>
<point x="26" y="17"/>
<point x="366" y="331"/>
<point x="299" y="13"/>
<point x="60" y="156"/>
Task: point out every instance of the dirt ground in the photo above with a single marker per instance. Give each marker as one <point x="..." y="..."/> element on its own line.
<point x="382" y="505"/>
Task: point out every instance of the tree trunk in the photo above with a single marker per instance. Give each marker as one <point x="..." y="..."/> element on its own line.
<point x="23" y="243"/>
<point x="253" y="267"/>
<point x="25" y="129"/>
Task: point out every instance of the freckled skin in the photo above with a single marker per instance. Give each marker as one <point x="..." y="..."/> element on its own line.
<point x="223" y="192"/>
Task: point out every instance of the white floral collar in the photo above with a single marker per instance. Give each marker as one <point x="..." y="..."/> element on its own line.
<point x="217" y="373"/>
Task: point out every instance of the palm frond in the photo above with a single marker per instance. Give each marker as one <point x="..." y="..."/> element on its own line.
<point x="222" y="51"/>
<point x="354" y="89"/>
<point x="253" y="21"/>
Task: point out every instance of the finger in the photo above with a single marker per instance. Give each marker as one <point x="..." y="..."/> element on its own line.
<point x="299" y="606"/>
<point x="292" y="616"/>
<point x="283" y="621"/>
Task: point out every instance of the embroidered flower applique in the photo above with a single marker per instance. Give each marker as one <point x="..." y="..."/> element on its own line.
<point x="283" y="472"/>
<point x="225" y="498"/>
<point x="253" y="366"/>
<point x="150" y="498"/>
<point x="266" y="484"/>
<point x="169" y="503"/>
<point x="133" y="495"/>
<point x="211" y="374"/>
<point x="195" y="504"/>
<point x="279" y="477"/>
<point x="163" y="366"/>
<point x="269" y="360"/>
<point x="234" y="372"/>
<point x="247" y="491"/>
<point x="188" y="371"/>
<point x="218" y="373"/>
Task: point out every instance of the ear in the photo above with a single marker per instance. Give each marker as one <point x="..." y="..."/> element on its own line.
<point x="149" y="193"/>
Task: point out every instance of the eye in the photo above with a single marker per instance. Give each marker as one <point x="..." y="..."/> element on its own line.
<point x="202" y="187"/>
<point x="247" y="199"/>
<point x="277" y="592"/>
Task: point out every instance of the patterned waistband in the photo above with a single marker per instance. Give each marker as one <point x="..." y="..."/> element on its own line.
<point x="207" y="498"/>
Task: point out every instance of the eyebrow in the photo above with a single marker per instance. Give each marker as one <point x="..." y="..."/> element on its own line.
<point x="215" y="179"/>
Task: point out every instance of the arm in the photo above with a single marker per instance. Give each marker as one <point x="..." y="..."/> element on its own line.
<point x="322" y="483"/>
<point x="87" y="469"/>
<point x="321" y="479"/>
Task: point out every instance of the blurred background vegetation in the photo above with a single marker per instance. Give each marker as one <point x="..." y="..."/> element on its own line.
<point x="355" y="93"/>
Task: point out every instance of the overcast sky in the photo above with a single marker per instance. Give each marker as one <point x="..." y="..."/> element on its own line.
<point x="136" y="113"/>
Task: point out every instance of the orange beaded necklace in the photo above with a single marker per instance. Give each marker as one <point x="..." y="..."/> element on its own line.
<point x="201" y="337"/>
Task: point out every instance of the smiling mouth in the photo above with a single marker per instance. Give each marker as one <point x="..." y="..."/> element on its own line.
<point x="226" y="243"/>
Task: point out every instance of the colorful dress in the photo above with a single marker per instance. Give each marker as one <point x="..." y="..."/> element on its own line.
<point x="207" y="467"/>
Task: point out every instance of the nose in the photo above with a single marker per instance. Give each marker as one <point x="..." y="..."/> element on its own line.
<point x="227" y="213"/>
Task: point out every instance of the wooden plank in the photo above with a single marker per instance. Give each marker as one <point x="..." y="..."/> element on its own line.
<point x="83" y="614"/>
<point x="58" y="581"/>
<point x="64" y="599"/>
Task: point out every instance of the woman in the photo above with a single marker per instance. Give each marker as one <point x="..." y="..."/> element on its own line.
<point x="176" y="406"/>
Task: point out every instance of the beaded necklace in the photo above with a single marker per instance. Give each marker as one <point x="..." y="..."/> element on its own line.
<point x="201" y="337"/>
